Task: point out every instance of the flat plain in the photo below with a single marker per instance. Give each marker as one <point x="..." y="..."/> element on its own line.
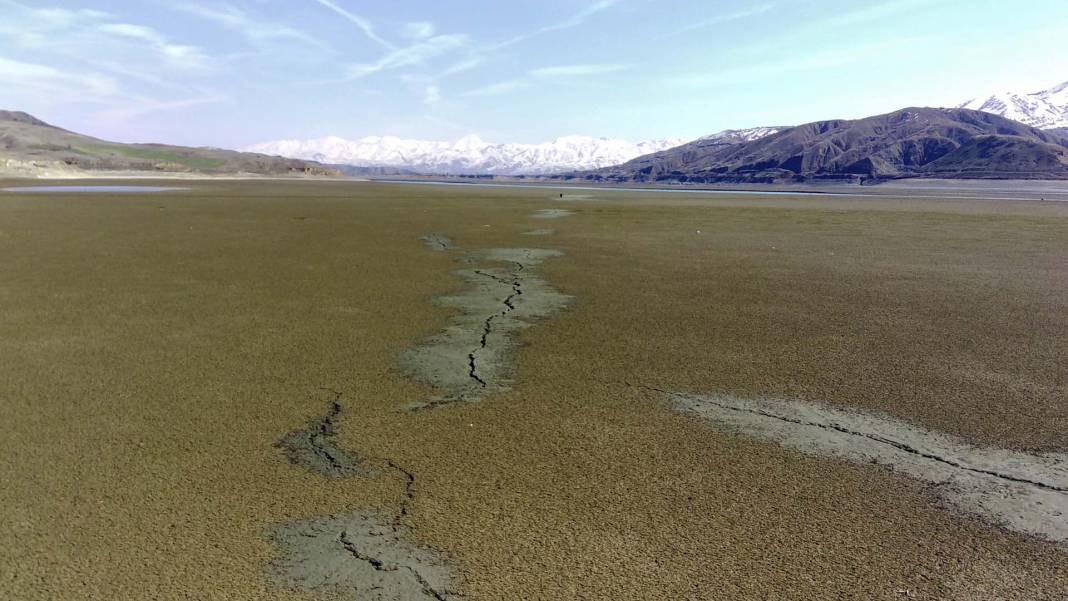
<point x="154" y="349"/>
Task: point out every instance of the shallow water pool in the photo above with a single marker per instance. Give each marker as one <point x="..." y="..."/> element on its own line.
<point x="119" y="189"/>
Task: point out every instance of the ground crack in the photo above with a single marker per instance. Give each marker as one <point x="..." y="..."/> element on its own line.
<point x="399" y="530"/>
<point x="901" y="446"/>
<point x="313" y="448"/>
<point x="318" y="552"/>
<point x="487" y="327"/>
<point x="409" y="493"/>
<point x="350" y="546"/>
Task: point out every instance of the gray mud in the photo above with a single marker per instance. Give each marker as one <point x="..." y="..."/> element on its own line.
<point x="313" y="448"/>
<point x="473" y="355"/>
<point x="1022" y="492"/>
<point x="362" y="554"/>
<point x="358" y="555"/>
<point x="551" y="213"/>
<point x="438" y="242"/>
<point x="540" y="232"/>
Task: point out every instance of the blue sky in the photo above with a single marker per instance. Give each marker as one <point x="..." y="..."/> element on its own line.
<point x="241" y="71"/>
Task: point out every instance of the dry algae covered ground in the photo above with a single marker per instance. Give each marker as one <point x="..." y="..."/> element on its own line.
<point x="271" y="390"/>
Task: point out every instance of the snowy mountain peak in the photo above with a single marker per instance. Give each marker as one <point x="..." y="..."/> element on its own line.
<point x="735" y="136"/>
<point x="1042" y="109"/>
<point x="468" y="155"/>
<point x="470" y="142"/>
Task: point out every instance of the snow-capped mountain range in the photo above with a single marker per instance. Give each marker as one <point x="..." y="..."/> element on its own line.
<point x="468" y="155"/>
<point x="472" y="155"/>
<point x="1044" y="109"/>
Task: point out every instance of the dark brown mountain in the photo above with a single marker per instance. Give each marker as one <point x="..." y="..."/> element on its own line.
<point x="911" y="142"/>
<point x="31" y="147"/>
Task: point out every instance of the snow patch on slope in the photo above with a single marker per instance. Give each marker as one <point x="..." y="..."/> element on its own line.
<point x="1044" y="109"/>
<point x="738" y="136"/>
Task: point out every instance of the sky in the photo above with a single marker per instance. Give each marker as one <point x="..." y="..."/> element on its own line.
<point x="236" y="72"/>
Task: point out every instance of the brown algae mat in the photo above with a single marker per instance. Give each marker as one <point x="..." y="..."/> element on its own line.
<point x="154" y="350"/>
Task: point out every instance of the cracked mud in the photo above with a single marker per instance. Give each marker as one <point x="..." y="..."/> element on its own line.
<point x="357" y="555"/>
<point x="313" y="448"/>
<point x="1022" y="492"/>
<point x="438" y="242"/>
<point x="363" y="554"/>
<point x="473" y="356"/>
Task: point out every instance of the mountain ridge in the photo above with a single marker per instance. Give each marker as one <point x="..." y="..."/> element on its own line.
<point x="1045" y="109"/>
<point x="468" y="155"/>
<point x="31" y="147"/>
<point x="910" y="142"/>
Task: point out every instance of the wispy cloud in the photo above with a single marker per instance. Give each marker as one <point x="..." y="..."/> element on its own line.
<point x="880" y="10"/>
<point x="418" y="30"/>
<point x="819" y="61"/>
<point x="575" y="70"/>
<point x="574" y="20"/>
<point x="141" y="106"/>
<point x="177" y="54"/>
<point x="363" y="24"/>
<point x="250" y="27"/>
<point x="480" y="55"/>
<point x="56" y="17"/>
<point x="19" y="74"/>
<point x="580" y="17"/>
<point x="464" y="65"/>
<point x="727" y="17"/>
<point x="533" y="76"/>
<point x="500" y="87"/>
<point x="431" y="95"/>
<point x="413" y="55"/>
<point x="92" y="57"/>
<point x="30" y="27"/>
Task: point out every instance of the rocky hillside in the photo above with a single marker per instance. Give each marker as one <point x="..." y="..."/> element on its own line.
<point x="911" y="142"/>
<point x="30" y="147"/>
<point x="1059" y="131"/>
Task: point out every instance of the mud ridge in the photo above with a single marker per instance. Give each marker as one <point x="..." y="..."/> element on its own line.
<point x="367" y="554"/>
<point x="357" y="555"/>
<point x="439" y="242"/>
<point x="313" y="448"/>
<point x="1022" y="492"/>
<point x="472" y="356"/>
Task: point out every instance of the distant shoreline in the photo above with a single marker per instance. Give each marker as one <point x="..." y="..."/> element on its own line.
<point x="1047" y="190"/>
<point x="952" y="189"/>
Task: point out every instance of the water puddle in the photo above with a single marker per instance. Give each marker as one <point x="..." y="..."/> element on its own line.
<point x="116" y="189"/>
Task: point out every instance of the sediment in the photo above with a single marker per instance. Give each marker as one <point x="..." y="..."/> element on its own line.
<point x="313" y="448"/>
<point x="472" y="357"/>
<point x="368" y="554"/>
<point x="439" y="242"/>
<point x="551" y="213"/>
<point x="357" y="555"/>
<point x="1022" y="492"/>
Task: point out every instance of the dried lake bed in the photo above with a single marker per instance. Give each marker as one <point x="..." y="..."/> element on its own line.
<point x="293" y="390"/>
